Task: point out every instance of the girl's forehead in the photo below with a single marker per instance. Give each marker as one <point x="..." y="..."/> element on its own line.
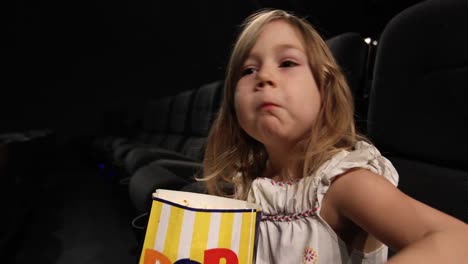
<point x="280" y="30"/>
<point x="279" y="35"/>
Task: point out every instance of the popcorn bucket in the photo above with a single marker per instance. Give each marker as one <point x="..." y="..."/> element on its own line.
<point x="186" y="227"/>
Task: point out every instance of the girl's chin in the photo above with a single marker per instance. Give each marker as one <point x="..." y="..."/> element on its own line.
<point x="277" y="139"/>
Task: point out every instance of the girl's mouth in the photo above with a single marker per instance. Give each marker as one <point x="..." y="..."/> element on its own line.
<point x="267" y="105"/>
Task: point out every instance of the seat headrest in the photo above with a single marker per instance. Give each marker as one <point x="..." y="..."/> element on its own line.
<point x="350" y="52"/>
<point x="417" y="102"/>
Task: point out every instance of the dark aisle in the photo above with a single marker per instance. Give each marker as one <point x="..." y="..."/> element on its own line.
<point x="82" y="217"/>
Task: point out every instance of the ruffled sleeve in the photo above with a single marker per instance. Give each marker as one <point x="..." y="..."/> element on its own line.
<point x="364" y="156"/>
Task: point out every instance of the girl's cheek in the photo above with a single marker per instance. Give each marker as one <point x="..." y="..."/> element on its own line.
<point x="236" y="102"/>
<point x="240" y="104"/>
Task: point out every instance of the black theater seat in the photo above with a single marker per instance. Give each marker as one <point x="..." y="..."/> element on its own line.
<point x="153" y="132"/>
<point x="172" y="143"/>
<point x="418" y="112"/>
<point x="351" y="53"/>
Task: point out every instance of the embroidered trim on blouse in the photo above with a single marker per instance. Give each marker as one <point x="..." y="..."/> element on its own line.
<point x="290" y="217"/>
<point x="280" y="183"/>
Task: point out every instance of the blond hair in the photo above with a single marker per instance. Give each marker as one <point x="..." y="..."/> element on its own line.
<point x="232" y="156"/>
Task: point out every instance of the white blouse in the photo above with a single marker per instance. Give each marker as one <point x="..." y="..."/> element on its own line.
<point x="291" y="229"/>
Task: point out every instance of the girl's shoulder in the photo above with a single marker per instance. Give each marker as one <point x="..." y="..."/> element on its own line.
<point x="365" y="156"/>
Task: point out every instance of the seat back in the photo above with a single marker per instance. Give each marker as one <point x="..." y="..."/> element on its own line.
<point x="206" y="102"/>
<point x="417" y="110"/>
<point x="156" y="120"/>
<point x="177" y="121"/>
<point x="350" y="52"/>
<point x="132" y="120"/>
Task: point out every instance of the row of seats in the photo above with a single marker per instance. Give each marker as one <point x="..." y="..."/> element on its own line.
<point x="410" y="104"/>
<point x="173" y="128"/>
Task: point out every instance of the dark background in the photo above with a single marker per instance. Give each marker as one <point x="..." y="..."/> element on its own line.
<point x="67" y="63"/>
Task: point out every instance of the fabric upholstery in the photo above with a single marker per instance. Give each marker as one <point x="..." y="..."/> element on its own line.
<point x="417" y="111"/>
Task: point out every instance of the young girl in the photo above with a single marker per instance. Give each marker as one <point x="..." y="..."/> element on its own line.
<point x="285" y="136"/>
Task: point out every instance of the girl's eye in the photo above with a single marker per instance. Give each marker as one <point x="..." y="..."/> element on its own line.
<point x="247" y="71"/>
<point x="287" y="63"/>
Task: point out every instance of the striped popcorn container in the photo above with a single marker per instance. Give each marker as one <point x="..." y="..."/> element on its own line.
<point x="186" y="227"/>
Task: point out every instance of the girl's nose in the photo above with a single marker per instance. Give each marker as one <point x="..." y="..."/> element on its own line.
<point x="264" y="83"/>
<point x="265" y="78"/>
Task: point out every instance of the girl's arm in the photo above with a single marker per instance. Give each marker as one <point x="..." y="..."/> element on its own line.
<point x="419" y="233"/>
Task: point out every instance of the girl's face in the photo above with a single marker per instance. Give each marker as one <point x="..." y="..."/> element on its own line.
<point x="277" y="99"/>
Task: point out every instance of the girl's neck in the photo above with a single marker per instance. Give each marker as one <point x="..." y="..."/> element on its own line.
<point x="281" y="165"/>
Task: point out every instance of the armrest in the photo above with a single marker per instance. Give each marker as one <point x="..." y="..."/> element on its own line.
<point x="169" y="155"/>
<point x="184" y="169"/>
<point x="140" y="157"/>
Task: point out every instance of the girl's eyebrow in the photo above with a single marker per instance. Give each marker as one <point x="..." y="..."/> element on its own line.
<point x="283" y="47"/>
<point x="278" y="48"/>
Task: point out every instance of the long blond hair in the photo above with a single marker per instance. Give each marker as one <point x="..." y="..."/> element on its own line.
<point x="232" y="156"/>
